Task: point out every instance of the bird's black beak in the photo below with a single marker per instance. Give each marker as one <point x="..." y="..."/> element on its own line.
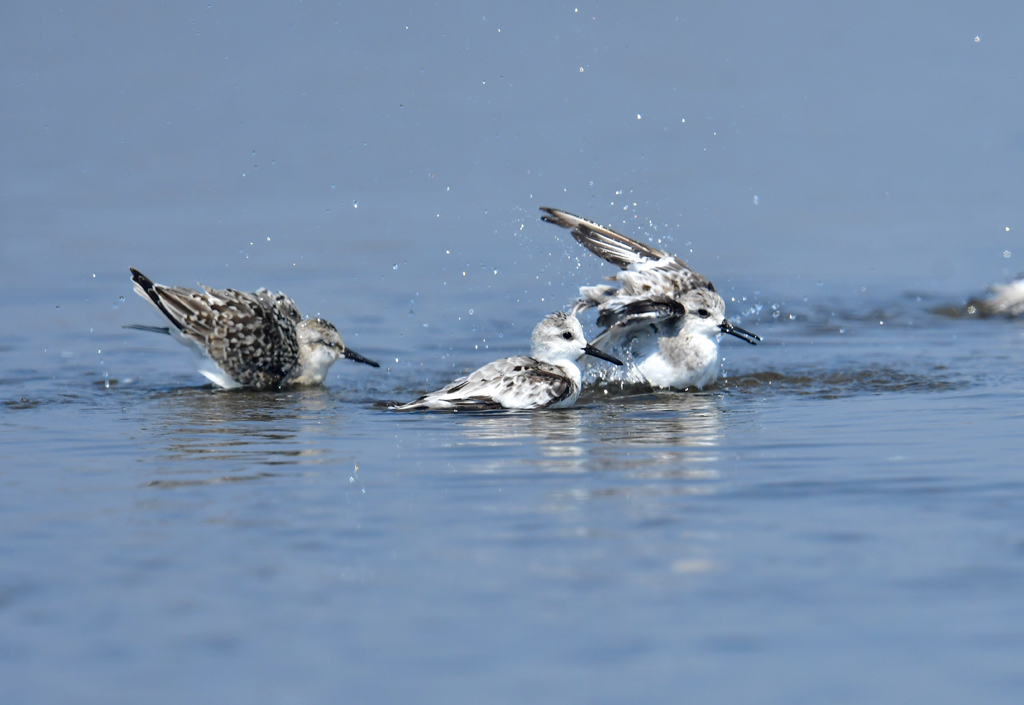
<point x="744" y="335"/>
<point x="594" y="352"/>
<point x="353" y="355"/>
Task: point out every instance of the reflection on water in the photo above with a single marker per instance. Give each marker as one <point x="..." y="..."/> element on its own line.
<point x="556" y="437"/>
<point x="204" y="431"/>
<point x="669" y="441"/>
<point x="641" y="438"/>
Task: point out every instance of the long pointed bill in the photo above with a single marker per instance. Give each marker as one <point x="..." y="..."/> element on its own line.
<point x="353" y="355"/>
<point x="594" y="352"/>
<point x="744" y="335"/>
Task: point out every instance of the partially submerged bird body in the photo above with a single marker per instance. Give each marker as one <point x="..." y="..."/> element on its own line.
<point x="1006" y="300"/>
<point x="254" y="340"/>
<point x="548" y="379"/>
<point x="663" y="318"/>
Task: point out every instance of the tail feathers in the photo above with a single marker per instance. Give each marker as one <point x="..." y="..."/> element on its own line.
<point x="150" y="329"/>
<point x="147" y="289"/>
<point x="144" y="286"/>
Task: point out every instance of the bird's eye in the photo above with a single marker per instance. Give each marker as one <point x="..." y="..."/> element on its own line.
<point x="703" y="313"/>
<point x="567" y="335"/>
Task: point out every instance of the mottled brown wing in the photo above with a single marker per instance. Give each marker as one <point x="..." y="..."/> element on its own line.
<point x="510" y="382"/>
<point x="250" y="336"/>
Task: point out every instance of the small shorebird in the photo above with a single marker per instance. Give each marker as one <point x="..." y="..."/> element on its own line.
<point x="1006" y="300"/>
<point x="663" y="318"/>
<point x="246" y="340"/>
<point x="548" y="379"/>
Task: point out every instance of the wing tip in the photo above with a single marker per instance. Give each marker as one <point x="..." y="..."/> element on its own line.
<point x="562" y="219"/>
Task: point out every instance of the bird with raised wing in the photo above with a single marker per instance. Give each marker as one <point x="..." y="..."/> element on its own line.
<point x="662" y="318"/>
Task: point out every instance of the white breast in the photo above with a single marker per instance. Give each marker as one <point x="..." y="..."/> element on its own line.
<point x="690" y="361"/>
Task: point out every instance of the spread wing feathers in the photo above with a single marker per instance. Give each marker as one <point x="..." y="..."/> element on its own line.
<point x="511" y="383"/>
<point x="646" y="269"/>
<point x="620" y="250"/>
<point x="251" y="337"/>
<point x="629" y="312"/>
<point x="591" y="296"/>
<point x="605" y="242"/>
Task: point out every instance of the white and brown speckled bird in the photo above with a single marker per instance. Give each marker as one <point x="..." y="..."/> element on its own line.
<point x="663" y="318"/>
<point x="246" y="340"/>
<point x="548" y="379"/>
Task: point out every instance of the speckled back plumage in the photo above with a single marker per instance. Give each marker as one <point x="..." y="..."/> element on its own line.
<point x="518" y="382"/>
<point x="251" y="337"/>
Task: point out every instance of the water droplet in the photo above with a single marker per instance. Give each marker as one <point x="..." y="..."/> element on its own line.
<point x="470" y="312"/>
<point x="355" y="204"/>
<point x="977" y="39"/>
<point x="333" y="186"/>
<point x="1006" y="254"/>
<point x="756" y="200"/>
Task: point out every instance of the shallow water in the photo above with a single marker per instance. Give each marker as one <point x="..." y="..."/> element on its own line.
<point x="837" y="520"/>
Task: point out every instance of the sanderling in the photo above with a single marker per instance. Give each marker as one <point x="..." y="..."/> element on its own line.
<point x="664" y="318"/>
<point x="1006" y="300"/>
<point x="246" y="340"/>
<point x="548" y="379"/>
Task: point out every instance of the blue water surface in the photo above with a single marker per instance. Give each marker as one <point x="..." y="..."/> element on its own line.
<point x="839" y="519"/>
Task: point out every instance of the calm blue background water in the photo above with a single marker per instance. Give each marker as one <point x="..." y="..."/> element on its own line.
<point x="839" y="520"/>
